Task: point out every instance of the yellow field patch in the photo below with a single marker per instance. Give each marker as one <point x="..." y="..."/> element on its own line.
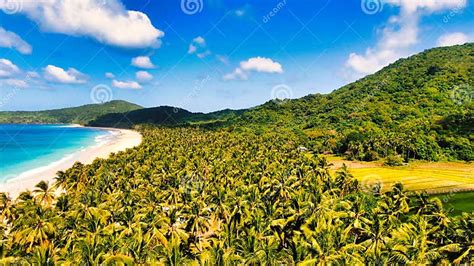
<point x="418" y="176"/>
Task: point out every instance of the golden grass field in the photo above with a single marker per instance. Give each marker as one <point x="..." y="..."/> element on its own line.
<point x="434" y="178"/>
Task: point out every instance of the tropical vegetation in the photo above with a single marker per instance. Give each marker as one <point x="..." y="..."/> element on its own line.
<point x="75" y="115"/>
<point x="421" y="107"/>
<point x="225" y="197"/>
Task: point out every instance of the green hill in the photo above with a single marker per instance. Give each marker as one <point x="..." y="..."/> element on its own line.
<point x="76" y="115"/>
<point x="420" y="107"/>
<point x="163" y="115"/>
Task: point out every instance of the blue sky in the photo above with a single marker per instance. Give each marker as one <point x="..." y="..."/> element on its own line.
<point x="207" y="55"/>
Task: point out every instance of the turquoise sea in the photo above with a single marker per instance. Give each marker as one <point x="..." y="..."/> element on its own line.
<point x="27" y="147"/>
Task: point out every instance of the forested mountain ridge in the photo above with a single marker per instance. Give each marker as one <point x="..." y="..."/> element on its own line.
<point x="74" y="115"/>
<point x="163" y="115"/>
<point x="419" y="107"/>
<point x="118" y="114"/>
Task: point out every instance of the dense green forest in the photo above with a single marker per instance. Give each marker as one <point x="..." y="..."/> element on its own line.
<point x="75" y="115"/>
<point x="223" y="197"/>
<point x="417" y="108"/>
<point x="420" y="108"/>
<point x="164" y="116"/>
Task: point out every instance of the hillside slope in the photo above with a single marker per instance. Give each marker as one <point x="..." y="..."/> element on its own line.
<point x="163" y="115"/>
<point x="420" y="107"/>
<point x="75" y="115"/>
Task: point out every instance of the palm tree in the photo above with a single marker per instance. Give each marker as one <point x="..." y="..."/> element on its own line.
<point x="44" y="194"/>
<point x="410" y="243"/>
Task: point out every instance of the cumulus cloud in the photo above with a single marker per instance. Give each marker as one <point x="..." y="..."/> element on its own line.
<point x="142" y="62"/>
<point x="198" y="47"/>
<point x="143" y="76"/>
<point x="59" y="75"/>
<point x="106" y="21"/>
<point x="261" y="64"/>
<point x="399" y="36"/>
<point x="11" y="40"/>
<point x="454" y="38"/>
<point x="412" y="6"/>
<point x="126" y="84"/>
<point x="7" y="68"/>
<point x="255" y="64"/>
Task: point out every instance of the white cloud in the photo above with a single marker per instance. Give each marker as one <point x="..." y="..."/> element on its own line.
<point x="198" y="47"/>
<point x="199" y="40"/>
<point x="142" y="62"/>
<point x="11" y="40"/>
<point x="59" y="75"/>
<point x="412" y="6"/>
<point x="109" y="75"/>
<point x="261" y="64"/>
<point x="7" y="68"/>
<point x="143" y="76"/>
<point x="192" y="49"/>
<point x="106" y="21"/>
<point x="454" y="38"/>
<point x="399" y="36"/>
<point x="255" y="64"/>
<point x="126" y="84"/>
<point x="17" y="83"/>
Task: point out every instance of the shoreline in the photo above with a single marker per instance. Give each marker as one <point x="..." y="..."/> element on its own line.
<point x="116" y="140"/>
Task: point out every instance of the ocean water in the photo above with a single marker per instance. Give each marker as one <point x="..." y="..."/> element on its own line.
<point x="27" y="147"/>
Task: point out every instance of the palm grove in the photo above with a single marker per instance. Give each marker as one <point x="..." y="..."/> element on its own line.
<point x="189" y="196"/>
<point x="242" y="190"/>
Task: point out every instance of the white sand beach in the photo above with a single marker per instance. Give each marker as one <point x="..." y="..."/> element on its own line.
<point x="118" y="140"/>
